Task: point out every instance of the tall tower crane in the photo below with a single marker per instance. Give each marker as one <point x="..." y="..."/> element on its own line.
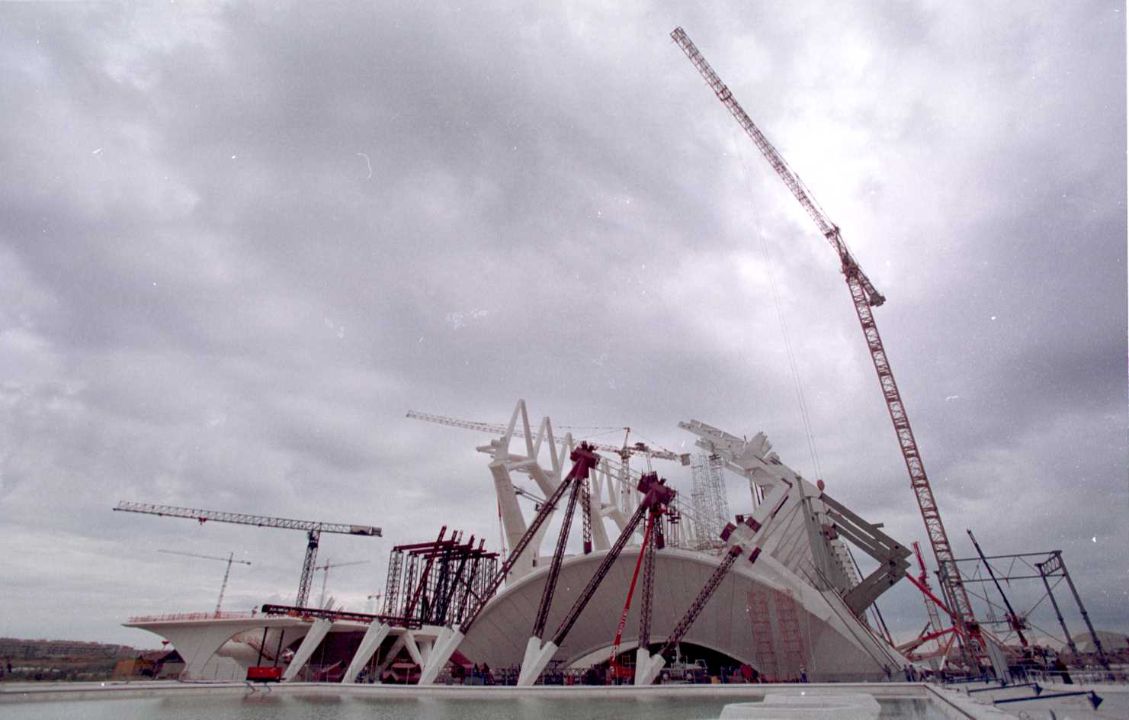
<point x="313" y="530"/>
<point x="864" y="296"/>
<point x="229" y="560"/>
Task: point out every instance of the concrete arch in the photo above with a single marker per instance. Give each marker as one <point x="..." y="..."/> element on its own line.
<point x="198" y="641"/>
<point x="795" y="627"/>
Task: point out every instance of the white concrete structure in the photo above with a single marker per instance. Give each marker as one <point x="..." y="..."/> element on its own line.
<point x="200" y="638"/>
<point x="794" y="612"/>
<point x="832" y="645"/>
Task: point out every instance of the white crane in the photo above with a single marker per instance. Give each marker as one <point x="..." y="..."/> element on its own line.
<point x="226" y="573"/>
<point x="313" y="529"/>
<point x="625" y="451"/>
<point x="325" y="577"/>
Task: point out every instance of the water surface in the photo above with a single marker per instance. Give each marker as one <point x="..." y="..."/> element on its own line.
<point x="280" y="706"/>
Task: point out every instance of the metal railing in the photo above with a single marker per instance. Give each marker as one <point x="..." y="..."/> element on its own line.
<point x="180" y="617"/>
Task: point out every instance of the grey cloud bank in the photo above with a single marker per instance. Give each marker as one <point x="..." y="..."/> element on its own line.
<point x="237" y="243"/>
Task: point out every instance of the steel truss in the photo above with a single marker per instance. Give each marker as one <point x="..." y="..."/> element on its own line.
<point x="983" y="574"/>
<point x="434" y="582"/>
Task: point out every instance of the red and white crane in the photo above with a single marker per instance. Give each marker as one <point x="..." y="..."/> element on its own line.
<point x="864" y="296"/>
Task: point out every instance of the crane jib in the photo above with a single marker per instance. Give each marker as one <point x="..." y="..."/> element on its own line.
<point x="864" y="296"/>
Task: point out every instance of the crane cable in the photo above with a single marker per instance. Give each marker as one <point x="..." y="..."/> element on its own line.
<point x="797" y="382"/>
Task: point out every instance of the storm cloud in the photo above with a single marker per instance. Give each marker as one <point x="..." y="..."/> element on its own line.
<point x="239" y="242"/>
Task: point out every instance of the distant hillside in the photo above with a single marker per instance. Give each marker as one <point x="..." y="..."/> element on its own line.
<point x="59" y="659"/>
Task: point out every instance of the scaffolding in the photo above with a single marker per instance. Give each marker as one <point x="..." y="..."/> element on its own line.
<point x="707" y="494"/>
<point x="434" y="582"/>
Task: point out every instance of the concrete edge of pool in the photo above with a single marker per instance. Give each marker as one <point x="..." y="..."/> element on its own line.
<point x="949" y="703"/>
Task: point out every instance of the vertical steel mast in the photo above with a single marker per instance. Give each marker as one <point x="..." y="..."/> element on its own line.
<point x="864" y="296"/>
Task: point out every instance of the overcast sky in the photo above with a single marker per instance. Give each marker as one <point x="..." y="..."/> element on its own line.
<point x="239" y="242"/>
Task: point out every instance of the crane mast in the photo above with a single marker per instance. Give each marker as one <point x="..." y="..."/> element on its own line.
<point x="863" y="296"/>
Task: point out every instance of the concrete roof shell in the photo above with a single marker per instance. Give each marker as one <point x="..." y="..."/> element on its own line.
<point x="829" y="643"/>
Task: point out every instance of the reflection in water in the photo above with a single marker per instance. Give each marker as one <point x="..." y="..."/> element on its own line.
<point x="327" y="706"/>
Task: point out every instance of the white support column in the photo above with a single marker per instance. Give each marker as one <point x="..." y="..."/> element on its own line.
<point x="424" y="645"/>
<point x="313" y="638"/>
<point x="412" y="647"/>
<point x="537" y="656"/>
<point x="445" y="645"/>
<point x="392" y="653"/>
<point x="647" y="668"/>
<point x="596" y="518"/>
<point x="546" y="484"/>
<point x="512" y="521"/>
<point x="369" y="643"/>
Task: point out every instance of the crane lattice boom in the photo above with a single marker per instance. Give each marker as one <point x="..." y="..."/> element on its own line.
<point x="499" y="429"/>
<point x="313" y="530"/>
<point x="245" y="519"/>
<point x="829" y="229"/>
<point x="864" y="296"/>
<point x="229" y="559"/>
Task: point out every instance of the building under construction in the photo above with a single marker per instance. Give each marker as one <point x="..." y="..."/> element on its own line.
<point x="644" y="578"/>
<point x="633" y="582"/>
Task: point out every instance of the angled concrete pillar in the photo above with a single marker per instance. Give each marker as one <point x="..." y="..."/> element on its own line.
<point x="412" y="647"/>
<point x="445" y="645"/>
<point x="197" y="643"/>
<point x="647" y="668"/>
<point x="313" y="638"/>
<point x="369" y="643"/>
<point x="397" y="645"/>
<point x="537" y="656"/>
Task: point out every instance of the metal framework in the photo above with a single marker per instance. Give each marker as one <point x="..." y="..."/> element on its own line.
<point x="807" y="538"/>
<point x="646" y="559"/>
<point x="1018" y="571"/>
<point x="656" y="497"/>
<point x="329" y="614"/>
<point x="550" y="588"/>
<point x="933" y="630"/>
<point x="707" y="492"/>
<point x="443" y="577"/>
<point x="626" y="449"/>
<point x="864" y="296"/>
<point x="609" y="493"/>
<point x="1013" y="619"/>
<point x="584" y="459"/>
<point x="313" y="529"/>
<point x="700" y="601"/>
